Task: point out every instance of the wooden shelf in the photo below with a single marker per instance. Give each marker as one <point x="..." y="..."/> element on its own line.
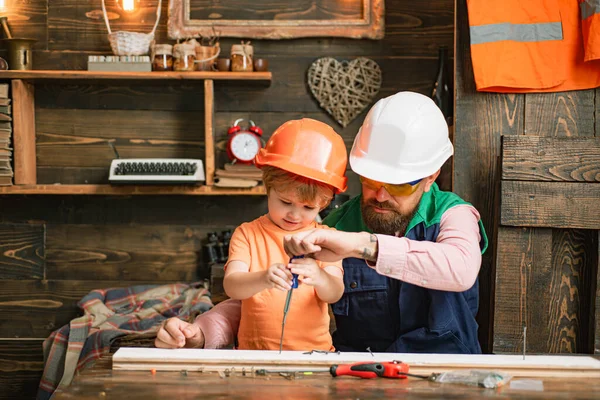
<point x="129" y="190"/>
<point x="153" y="76"/>
<point x="24" y="132"/>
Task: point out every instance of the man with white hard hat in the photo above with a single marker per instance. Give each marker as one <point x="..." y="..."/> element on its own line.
<point x="411" y="252"/>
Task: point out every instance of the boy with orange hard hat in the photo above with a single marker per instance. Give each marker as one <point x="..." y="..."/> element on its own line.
<point x="303" y="165"/>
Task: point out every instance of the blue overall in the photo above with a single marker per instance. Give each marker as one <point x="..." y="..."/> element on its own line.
<point x="388" y="315"/>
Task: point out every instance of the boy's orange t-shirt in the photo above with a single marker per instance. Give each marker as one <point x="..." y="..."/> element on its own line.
<point x="259" y="244"/>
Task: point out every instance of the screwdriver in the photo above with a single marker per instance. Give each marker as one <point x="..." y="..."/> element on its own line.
<point x="365" y="370"/>
<point x="287" y="303"/>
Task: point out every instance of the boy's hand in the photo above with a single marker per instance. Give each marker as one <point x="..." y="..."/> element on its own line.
<point x="176" y="333"/>
<point x="308" y="271"/>
<point x="279" y="277"/>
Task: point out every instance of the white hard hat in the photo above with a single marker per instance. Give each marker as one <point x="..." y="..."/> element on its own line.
<point x="403" y="138"/>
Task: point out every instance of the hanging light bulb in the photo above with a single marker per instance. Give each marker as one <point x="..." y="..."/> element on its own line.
<point x="128" y="6"/>
<point x="2" y="5"/>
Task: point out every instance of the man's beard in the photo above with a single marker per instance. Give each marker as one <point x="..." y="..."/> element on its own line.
<point x="391" y="223"/>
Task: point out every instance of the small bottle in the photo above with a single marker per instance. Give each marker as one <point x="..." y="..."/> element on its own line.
<point x="241" y="58"/>
<point x="442" y="93"/>
<point x="185" y="56"/>
<point x="163" y="58"/>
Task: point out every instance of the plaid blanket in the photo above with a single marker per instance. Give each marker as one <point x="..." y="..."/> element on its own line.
<point x="109" y="314"/>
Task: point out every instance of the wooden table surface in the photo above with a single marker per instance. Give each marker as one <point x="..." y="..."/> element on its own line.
<point x="101" y="382"/>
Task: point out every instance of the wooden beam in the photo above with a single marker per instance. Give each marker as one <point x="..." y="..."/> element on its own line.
<point x="209" y="135"/>
<point x="145" y="359"/>
<point x="154" y="76"/>
<point x="535" y="158"/>
<point x="130" y="190"/>
<point x="21" y="367"/>
<point x="597" y="311"/>
<point x="24" y="132"/>
<point x="550" y="204"/>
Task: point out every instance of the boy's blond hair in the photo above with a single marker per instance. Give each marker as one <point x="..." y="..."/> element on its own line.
<point x="308" y="190"/>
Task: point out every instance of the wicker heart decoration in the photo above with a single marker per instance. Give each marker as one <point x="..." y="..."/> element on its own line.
<point x="344" y="89"/>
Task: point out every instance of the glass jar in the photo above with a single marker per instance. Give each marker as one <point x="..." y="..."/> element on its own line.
<point x="184" y="55"/>
<point x="241" y="58"/>
<point x="163" y="58"/>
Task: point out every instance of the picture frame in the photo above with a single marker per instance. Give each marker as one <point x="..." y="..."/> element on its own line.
<point x="358" y="19"/>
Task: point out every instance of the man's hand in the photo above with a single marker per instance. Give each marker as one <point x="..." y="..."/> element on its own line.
<point x="309" y="271"/>
<point x="175" y="334"/>
<point x="331" y="245"/>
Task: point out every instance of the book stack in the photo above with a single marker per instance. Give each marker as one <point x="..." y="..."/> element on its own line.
<point x="6" y="171"/>
<point x="238" y="175"/>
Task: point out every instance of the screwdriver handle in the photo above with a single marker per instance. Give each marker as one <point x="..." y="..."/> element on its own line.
<point x="367" y="370"/>
<point x="295" y="276"/>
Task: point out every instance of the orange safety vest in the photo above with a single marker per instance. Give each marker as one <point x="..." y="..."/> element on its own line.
<point x="535" y="45"/>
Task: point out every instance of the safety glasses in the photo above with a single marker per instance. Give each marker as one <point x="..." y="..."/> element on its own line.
<point x="403" y="189"/>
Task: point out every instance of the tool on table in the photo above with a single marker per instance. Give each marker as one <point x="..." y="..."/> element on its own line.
<point x="287" y="303"/>
<point x="399" y="370"/>
<point x="365" y="370"/>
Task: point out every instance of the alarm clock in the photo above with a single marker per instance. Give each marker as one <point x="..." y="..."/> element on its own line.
<point x="243" y="144"/>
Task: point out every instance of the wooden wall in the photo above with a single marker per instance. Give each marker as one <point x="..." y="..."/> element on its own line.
<point x="543" y="278"/>
<point x="54" y="249"/>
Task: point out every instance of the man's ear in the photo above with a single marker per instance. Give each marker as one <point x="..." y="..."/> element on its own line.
<point x="428" y="181"/>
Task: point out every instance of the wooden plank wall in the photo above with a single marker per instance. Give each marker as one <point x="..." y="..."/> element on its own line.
<point x="547" y="275"/>
<point x="57" y="248"/>
<point x="548" y="182"/>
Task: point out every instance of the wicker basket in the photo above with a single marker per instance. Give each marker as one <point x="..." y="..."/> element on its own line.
<point x="125" y="43"/>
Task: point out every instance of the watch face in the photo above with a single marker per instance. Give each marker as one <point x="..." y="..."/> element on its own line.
<point x="244" y="146"/>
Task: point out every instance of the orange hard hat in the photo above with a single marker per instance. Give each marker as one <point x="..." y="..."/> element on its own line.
<point x="308" y="148"/>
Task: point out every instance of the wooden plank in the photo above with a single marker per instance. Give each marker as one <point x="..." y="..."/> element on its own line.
<point x="209" y="134"/>
<point x="574" y="253"/>
<point x="521" y="298"/>
<point x="568" y="114"/>
<point x="155" y="125"/>
<point x="72" y="175"/>
<point x="562" y="159"/>
<point x="597" y="304"/>
<point x="119" y="252"/>
<point x="564" y="114"/>
<point x="21" y="366"/>
<point x="544" y="286"/>
<point x="22" y="251"/>
<point x="283" y="95"/>
<point x="24" y="132"/>
<point x="556" y="205"/>
<point x="28" y="19"/>
<point x="67" y="150"/>
<point x="413" y="30"/>
<point x="223" y="211"/>
<point x="79" y="25"/>
<point x="35" y="308"/>
<point x="145" y="359"/>
<point x="479" y="121"/>
<point x="135" y="76"/>
<point x="127" y="190"/>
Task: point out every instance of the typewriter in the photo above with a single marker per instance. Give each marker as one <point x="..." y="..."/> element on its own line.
<point x="158" y="171"/>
